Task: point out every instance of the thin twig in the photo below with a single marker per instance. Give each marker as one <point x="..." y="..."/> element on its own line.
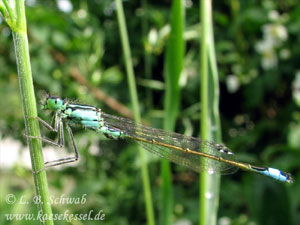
<point x="108" y="100"/>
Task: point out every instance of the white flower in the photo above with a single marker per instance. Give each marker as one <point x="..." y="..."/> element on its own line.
<point x="30" y="2"/>
<point x="232" y="83"/>
<point x="152" y="36"/>
<point x="188" y="3"/>
<point x="81" y="13"/>
<point x="275" y="33"/>
<point x="225" y="221"/>
<point x="269" y="60"/>
<point x="264" y="45"/>
<point x="273" y="15"/>
<point x="65" y="5"/>
<point x="280" y="32"/>
<point x="269" y="57"/>
<point x="273" y="36"/>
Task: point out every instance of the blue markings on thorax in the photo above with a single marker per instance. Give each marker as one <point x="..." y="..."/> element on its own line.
<point x="88" y="116"/>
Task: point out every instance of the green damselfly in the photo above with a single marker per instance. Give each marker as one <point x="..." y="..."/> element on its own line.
<point x="199" y="155"/>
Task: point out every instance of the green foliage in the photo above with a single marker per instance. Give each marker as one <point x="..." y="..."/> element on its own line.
<point x="173" y="66"/>
<point x="258" y="105"/>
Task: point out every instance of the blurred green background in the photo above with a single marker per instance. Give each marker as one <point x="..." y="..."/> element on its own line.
<point x="76" y="53"/>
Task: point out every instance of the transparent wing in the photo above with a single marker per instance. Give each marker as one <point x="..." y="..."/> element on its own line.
<point x="196" y="162"/>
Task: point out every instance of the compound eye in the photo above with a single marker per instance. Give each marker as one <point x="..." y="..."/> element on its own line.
<point x="220" y="147"/>
<point x="224" y="149"/>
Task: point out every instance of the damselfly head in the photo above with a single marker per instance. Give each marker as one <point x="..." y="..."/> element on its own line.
<point x="224" y="149"/>
<point x="52" y="103"/>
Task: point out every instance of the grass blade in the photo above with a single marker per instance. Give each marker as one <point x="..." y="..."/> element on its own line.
<point x="209" y="184"/>
<point x="147" y="53"/>
<point x="136" y="111"/>
<point x="172" y="70"/>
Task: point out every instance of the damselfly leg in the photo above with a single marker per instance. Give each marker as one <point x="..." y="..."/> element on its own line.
<point x="58" y="127"/>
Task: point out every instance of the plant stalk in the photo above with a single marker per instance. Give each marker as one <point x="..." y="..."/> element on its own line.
<point x="209" y="183"/>
<point x="135" y="106"/>
<point x="174" y="59"/>
<point x="30" y="111"/>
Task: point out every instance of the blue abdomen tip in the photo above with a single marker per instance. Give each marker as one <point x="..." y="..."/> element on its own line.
<point x="278" y="175"/>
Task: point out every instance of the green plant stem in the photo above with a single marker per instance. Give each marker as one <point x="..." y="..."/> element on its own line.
<point x="7" y="14"/>
<point x="9" y="9"/>
<point x="30" y="111"/>
<point x="209" y="184"/>
<point x="214" y="84"/>
<point x="2" y="11"/>
<point x="172" y="70"/>
<point x="204" y="7"/>
<point x="136" y="111"/>
<point x="147" y="54"/>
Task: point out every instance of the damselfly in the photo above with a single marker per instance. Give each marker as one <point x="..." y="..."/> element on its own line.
<point x="199" y="155"/>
